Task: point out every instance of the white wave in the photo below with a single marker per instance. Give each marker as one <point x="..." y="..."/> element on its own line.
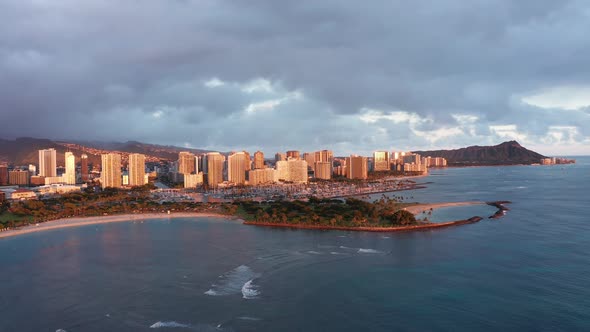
<point x="343" y="247"/>
<point x="335" y="253"/>
<point x="60" y="330"/>
<point x="171" y="324"/>
<point x="232" y="282"/>
<point x="386" y="237"/>
<point x="249" y="290"/>
<point x="314" y="252"/>
<point x="211" y="292"/>
<point x="249" y="318"/>
<point x="369" y="251"/>
<point x="342" y="236"/>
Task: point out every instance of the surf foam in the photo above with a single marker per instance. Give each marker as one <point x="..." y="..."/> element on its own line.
<point x="236" y="281"/>
<point x="249" y="290"/>
<point x="368" y="251"/>
<point x="170" y="324"/>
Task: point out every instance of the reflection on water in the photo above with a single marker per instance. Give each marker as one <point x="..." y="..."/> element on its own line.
<point x="528" y="271"/>
<point x="457" y="213"/>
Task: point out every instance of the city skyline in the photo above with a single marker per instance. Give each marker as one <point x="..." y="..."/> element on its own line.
<point x="352" y="77"/>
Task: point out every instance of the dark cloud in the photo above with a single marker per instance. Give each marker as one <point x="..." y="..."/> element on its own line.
<point x="304" y="74"/>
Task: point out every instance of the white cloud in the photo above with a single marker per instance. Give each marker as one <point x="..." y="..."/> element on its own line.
<point x="369" y="115"/>
<point x="258" y="85"/>
<point x="435" y="135"/>
<point x="564" y="97"/>
<point x="267" y="105"/>
<point x="508" y="132"/>
<point x="214" y="82"/>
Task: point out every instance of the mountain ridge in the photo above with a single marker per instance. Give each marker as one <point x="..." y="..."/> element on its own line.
<point x="506" y="153"/>
<point x="24" y="150"/>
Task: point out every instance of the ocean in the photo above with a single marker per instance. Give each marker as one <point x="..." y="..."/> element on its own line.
<point x="528" y="271"/>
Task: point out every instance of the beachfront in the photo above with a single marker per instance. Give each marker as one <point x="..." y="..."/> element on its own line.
<point x="84" y="221"/>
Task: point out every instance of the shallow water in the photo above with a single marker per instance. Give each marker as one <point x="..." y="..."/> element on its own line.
<point x="528" y="271"/>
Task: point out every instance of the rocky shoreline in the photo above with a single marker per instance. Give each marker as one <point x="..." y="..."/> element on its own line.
<point x="422" y="227"/>
<point x="501" y="209"/>
<point x="370" y="229"/>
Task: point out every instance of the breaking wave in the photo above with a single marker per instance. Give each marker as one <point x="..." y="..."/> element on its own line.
<point x="236" y="281"/>
<point x="369" y="251"/>
<point x="249" y="290"/>
<point x="249" y="318"/>
<point x="171" y="324"/>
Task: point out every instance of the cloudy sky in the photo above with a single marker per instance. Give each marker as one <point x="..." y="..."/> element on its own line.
<point x="274" y="75"/>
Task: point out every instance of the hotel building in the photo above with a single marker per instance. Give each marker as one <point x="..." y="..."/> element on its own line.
<point x="258" y="160"/>
<point x="111" y="171"/>
<point x="215" y="161"/>
<point x="69" y="177"/>
<point x="136" y="169"/>
<point x="47" y="163"/>
<point x="236" y="167"/>
<point x="381" y="161"/>
<point x="357" y="167"/>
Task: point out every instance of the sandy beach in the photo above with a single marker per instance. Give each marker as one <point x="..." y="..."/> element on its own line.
<point x="417" y="209"/>
<point x="82" y="221"/>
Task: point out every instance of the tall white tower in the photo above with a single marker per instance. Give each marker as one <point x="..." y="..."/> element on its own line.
<point x="70" y="175"/>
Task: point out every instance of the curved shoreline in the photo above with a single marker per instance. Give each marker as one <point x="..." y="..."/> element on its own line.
<point x="418" y="208"/>
<point x="370" y="229"/>
<point x="83" y="221"/>
<point x="415" y="209"/>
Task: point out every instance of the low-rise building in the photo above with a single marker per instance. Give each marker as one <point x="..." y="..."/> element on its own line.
<point x="23" y="194"/>
<point x="58" y="189"/>
<point x="18" y="177"/>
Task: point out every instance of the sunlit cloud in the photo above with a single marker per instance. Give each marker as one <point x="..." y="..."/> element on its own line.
<point x="565" y="97"/>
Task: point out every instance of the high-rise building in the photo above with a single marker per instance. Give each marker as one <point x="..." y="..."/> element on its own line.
<point x="310" y="158"/>
<point x="293" y="154"/>
<point x="258" y="160"/>
<point x="193" y="180"/>
<point x="186" y="163"/>
<point x="47" y="163"/>
<point x="236" y="168"/>
<point x="324" y="156"/>
<point x="3" y="174"/>
<point x="136" y="168"/>
<point x="70" y="174"/>
<point x="248" y="165"/>
<point x="215" y="161"/>
<point x="357" y="167"/>
<point x="437" y="162"/>
<point x="111" y="171"/>
<point x="323" y="170"/>
<point x="18" y="177"/>
<point x="413" y="162"/>
<point x="280" y="156"/>
<point x="261" y="176"/>
<point x="412" y="158"/>
<point x="84" y="167"/>
<point x="381" y="161"/>
<point x="292" y="170"/>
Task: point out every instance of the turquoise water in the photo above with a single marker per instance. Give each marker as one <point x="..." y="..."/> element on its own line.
<point x="457" y="213"/>
<point x="529" y="271"/>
